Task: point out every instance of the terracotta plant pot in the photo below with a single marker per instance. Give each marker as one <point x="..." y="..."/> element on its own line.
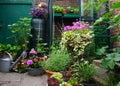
<point x="49" y="73"/>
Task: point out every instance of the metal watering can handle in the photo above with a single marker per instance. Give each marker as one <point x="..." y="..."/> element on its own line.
<point x="23" y="55"/>
<point x="11" y="58"/>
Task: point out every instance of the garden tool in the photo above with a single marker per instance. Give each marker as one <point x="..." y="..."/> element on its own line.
<point x="6" y="61"/>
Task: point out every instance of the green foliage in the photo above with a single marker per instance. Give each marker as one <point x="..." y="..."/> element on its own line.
<point x="72" y="9"/>
<point x="113" y="79"/>
<point x="109" y="59"/>
<point x="59" y="60"/>
<point x="58" y="76"/>
<point x="115" y="38"/>
<point x="21" y="32"/>
<point x="83" y="71"/>
<point x="76" y="40"/>
<point x="12" y="49"/>
<point x="113" y="19"/>
<point x="41" y="48"/>
<point x="116" y="5"/>
<point x="58" y="9"/>
<point x="102" y="50"/>
<point x="118" y="84"/>
<point x="98" y="4"/>
<point x="55" y="44"/>
<point x="87" y="8"/>
<point x="72" y="81"/>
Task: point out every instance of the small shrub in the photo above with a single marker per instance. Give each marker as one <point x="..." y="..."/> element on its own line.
<point x="58" y="60"/>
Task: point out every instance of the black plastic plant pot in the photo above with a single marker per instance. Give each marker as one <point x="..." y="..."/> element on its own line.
<point x="90" y="83"/>
<point x="41" y="54"/>
<point x="36" y="71"/>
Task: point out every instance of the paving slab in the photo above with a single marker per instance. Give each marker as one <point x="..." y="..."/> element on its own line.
<point x="16" y="79"/>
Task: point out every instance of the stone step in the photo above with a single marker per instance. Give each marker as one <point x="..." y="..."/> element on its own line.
<point x="100" y="76"/>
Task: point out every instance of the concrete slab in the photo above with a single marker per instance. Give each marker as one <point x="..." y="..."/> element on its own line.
<point x="16" y="79"/>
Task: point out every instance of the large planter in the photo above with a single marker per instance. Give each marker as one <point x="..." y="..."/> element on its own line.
<point x="49" y="73"/>
<point x="38" y="25"/>
<point x="36" y="71"/>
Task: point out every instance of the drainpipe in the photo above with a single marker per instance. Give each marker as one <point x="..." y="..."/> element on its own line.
<point x="50" y="21"/>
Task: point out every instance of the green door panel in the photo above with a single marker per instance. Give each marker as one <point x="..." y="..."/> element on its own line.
<point x="16" y="1"/>
<point x="11" y="13"/>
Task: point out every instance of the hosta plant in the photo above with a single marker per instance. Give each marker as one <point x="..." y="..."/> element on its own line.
<point x="75" y="38"/>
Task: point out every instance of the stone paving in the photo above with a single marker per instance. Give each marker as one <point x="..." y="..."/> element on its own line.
<point x="16" y="79"/>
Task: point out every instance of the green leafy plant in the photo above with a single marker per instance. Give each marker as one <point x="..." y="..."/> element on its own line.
<point x="21" y="32"/>
<point x="75" y="38"/>
<point x="113" y="19"/>
<point x="12" y="49"/>
<point x="118" y="84"/>
<point x="58" y="9"/>
<point x="110" y="59"/>
<point x="115" y="38"/>
<point x="58" y="76"/>
<point x="59" y="60"/>
<point x="70" y="9"/>
<point x="41" y="47"/>
<point x="83" y="71"/>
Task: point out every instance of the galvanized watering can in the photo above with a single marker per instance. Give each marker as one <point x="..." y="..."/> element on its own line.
<point x="6" y="61"/>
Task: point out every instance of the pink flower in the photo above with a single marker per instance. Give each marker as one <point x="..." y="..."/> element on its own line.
<point x="76" y="23"/>
<point x="75" y="27"/>
<point x="67" y="27"/>
<point x="32" y="52"/>
<point x="83" y="27"/>
<point x="29" y="62"/>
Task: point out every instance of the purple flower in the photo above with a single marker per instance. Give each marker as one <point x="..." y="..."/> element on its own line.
<point x="32" y="52"/>
<point x="40" y="10"/>
<point x="29" y="62"/>
<point x="67" y="28"/>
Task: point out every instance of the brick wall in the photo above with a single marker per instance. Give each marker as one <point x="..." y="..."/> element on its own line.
<point x="63" y="3"/>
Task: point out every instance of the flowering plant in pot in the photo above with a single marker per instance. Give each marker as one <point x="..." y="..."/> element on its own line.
<point x="34" y="64"/>
<point x="76" y="37"/>
<point x="57" y="79"/>
<point x="40" y="10"/>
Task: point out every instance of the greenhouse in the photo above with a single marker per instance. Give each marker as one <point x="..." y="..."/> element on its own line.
<point x="59" y="43"/>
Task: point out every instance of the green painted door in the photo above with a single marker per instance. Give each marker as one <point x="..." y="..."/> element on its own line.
<point x="10" y="12"/>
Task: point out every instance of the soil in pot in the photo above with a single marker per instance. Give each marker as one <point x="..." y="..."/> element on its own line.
<point x="36" y="71"/>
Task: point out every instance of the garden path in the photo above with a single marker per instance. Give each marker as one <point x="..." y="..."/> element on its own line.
<point x="16" y="79"/>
